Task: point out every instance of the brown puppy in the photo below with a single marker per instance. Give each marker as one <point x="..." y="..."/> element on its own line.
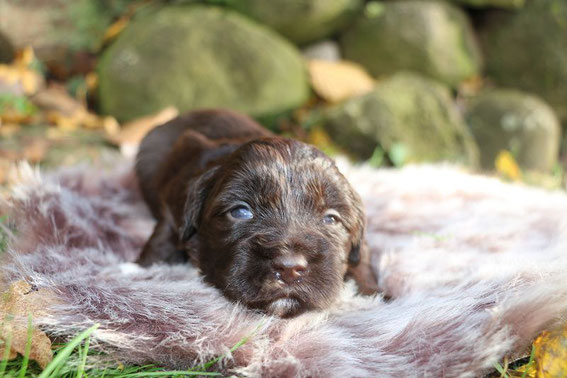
<point x="269" y="221"/>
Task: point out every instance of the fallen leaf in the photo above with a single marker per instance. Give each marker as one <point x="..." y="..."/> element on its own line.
<point x="337" y="81"/>
<point x="506" y="165"/>
<point x="91" y="79"/>
<point x="319" y="137"/>
<point x="67" y="113"/>
<point x="133" y="132"/>
<point x="18" y="302"/>
<point x="55" y="98"/>
<point x="472" y="86"/>
<point x="551" y="353"/>
<point x="18" y="78"/>
<point x="115" y="29"/>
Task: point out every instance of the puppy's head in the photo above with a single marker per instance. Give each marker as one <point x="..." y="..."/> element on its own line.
<point x="275" y="226"/>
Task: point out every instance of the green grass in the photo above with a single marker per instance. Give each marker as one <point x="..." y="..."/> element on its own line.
<point x="518" y="368"/>
<point x="71" y="360"/>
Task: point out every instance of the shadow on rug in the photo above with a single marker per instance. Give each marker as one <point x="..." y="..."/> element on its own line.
<point x="475" y="269"/>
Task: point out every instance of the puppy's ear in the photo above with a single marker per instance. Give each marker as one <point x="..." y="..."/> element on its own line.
<point x="359" y="266"/>
<point x="198" y="190"/>
<point x="361" y="271"/>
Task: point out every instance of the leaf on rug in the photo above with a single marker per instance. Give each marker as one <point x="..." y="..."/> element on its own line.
<point x="551" y="353"/>
<point x="19" y="302"/>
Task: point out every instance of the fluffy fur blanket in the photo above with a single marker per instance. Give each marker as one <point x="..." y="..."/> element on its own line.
<point x="475" y="269"/>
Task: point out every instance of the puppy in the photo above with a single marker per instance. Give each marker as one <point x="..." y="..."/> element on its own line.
<point x="269" y="221"/>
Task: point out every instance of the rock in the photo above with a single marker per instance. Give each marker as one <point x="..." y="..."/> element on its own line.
<point x="527" y="50"/>
<point x="516" y="122"/>
<point x="57" y="28"/>
<point x="432" y="38"/>
<point x="508" y="4"/>
<point x="405" y="115"/>
<point x="301" y="21"/>
<point x="196" y="56"/>
<point x="6" y="49"/>
<point x="325" y="50"/>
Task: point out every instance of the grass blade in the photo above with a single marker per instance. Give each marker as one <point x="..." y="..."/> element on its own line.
<point x="85" y="351"/>
<point x="27" y="351"/>
<point x="530" y="362"/>
<point x="7" y="348"/>
<point x="501" y="370"/>
<point x="64" y="353"/>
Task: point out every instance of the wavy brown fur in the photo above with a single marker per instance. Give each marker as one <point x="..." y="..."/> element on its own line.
<point x="475" y="268"/>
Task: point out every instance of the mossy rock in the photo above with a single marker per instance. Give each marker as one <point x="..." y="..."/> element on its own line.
<point x="429" y="37"/>
<point x="406" y="114"/>
<point x="516" y="122"/>
<point x="56" y="29"/>
<point x="527" y="50"/>
<point x="301" y="21"/>
<point x="504" y="4"/>
<point x="507" y="4"/>
<point x="196" y="57"/>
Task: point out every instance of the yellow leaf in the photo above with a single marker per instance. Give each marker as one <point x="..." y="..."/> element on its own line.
<point x="319" y="137"/>
<point x="132" y="132"/>
<point x="115" y="29"/>
<point x="25" y="57"/>
<point x="506" y="165"/>
<point x="18" y="77"/>
<point x="337" y="81"/>
<point x="551" y="353"/>
<point x="19" y="301"/>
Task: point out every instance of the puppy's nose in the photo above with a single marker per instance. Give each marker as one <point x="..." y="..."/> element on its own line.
<point x="290" y="268"/>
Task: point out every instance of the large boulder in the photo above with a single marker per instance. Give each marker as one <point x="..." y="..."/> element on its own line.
<point x="433" y="38"/>
<point x="430" y="37"/>
<point x="514" y="121"/>
<point x="405" y="114"/>
<point x="195" y="57"/>
<point x="58" y="28"/>
<point x="301" y="21"/>
<point x="528" y="50"/>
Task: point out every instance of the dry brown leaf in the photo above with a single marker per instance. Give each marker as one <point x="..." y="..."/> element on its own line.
<point x="18" y="302"/>
<point x="18" y="78"/>
<point x="337" y="81"/>
<point x="472" y="86"/>
<point x="67" y="113"/>
<point x="55" y="98"/>
<point x="132" y="132"/>
<point x="551" y="353"/>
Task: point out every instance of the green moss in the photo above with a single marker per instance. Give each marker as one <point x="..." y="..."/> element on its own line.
<point x="301" y="21"/>
<point x="527" y="50"/>
<point x="509" y="4"/>
<point x="433" y="38"/>
<point x="516" y="122"/>
<point x="412" y="118"/>
<point x="195" y="57"/>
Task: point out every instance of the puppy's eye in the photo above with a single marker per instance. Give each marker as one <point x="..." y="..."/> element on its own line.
<point x="331" y="217"/>
<point x="241" y="213"/>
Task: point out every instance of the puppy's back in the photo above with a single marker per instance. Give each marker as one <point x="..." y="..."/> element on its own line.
<point x="157" y="144"/>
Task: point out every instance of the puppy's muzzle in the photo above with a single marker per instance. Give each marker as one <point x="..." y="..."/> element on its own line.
<point x="290" y="268"/>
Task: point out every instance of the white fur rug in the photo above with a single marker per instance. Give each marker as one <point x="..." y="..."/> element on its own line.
<point x="475" y="269"/>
